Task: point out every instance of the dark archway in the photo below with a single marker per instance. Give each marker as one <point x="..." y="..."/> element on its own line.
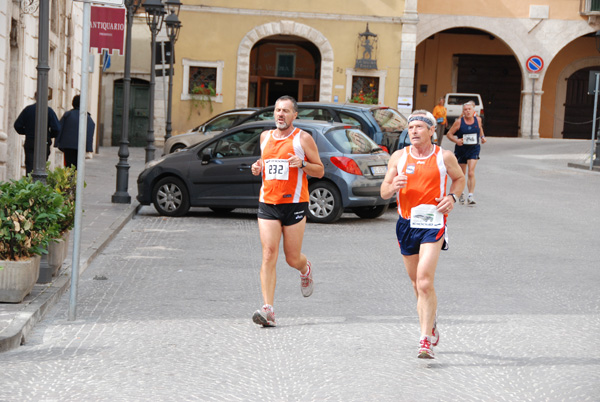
<point x="498" y="80"/>
<point x="579" y="106"/>
<point x="283" y="65"/>
<point x="470" y="60"/>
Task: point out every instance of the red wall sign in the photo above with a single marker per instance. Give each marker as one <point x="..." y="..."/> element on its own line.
<point x="107" y="28"/>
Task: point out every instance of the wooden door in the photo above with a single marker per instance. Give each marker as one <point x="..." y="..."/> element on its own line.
<point x="138" y="113"/>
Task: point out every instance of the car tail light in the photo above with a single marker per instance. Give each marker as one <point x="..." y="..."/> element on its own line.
<point x="346" y="164"/>
<point x="481" y="112"/>
<point x="384" y="148"/>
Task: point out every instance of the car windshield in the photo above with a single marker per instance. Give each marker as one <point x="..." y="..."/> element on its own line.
<point x="462" y="99"/>
<point x="352" y="141"/>
<point x="389" y="119"/>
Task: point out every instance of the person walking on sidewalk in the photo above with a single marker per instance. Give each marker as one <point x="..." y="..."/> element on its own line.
<point x="417" y="175"/>
<point x="288" y="155"/>
<point x="467" y="134"/>
<point x="68" y="139"/>
<point x="25" y="125"/>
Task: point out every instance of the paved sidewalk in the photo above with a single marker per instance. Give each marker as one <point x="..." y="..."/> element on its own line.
<point x="101" y="221"/>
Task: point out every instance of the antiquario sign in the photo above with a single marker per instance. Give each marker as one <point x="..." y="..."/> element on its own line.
<point x="107" y="28"/>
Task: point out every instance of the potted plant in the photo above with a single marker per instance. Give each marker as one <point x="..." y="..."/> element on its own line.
<point x="202" y="96"/>
<point x="29" y="215"/>
<point x="62" y="180"/>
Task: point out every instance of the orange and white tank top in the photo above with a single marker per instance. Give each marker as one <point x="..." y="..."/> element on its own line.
<point x="282" y="184"/>
<point x="426" y="180"/>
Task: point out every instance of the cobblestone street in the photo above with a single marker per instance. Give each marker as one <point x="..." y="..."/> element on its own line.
<point x="164" y="313"/>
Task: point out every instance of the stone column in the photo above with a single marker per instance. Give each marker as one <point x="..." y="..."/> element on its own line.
<point x="408" y="52"/>
<point x="531" y="128"/>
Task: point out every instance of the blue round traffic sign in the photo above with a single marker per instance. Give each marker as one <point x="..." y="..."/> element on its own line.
<point x="534" y="64"/>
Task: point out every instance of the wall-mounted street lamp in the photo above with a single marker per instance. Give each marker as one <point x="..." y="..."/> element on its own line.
<point x="155" y="11"/>
<point x="121" y="196"/>
<point x="173" y="27"/>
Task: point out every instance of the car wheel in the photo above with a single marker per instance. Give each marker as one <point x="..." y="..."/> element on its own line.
<point x="221" y="211"/>
<point x="170" y="197"/>
<point x="325" y="203"/>
<point x="370" y="212"/>
<point x="177" y="147"/>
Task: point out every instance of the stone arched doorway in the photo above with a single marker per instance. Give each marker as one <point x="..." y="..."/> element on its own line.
<point x="283" y="65"/>
<point x="471" y="60"/>
<point x="289" y="29"/>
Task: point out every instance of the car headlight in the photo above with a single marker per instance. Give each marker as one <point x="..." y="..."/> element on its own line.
<point x="153" y="163"/>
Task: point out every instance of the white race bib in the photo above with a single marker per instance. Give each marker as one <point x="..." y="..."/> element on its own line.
<point x="277" y="169"/>
<point x="426" y="216"/>
<point x="469" y="139"/>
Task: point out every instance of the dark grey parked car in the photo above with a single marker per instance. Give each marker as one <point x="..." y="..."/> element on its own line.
<point x="217" y="173"/>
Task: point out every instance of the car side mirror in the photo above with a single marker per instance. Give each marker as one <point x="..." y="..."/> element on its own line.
<point x="206" y="155"/>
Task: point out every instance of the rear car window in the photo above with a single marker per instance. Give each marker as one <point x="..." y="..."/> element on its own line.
<point x="347" y="119"/>
<point x="351" y="141"/>
<point x="389" y="119"/>
<point x="221" y="123"/>
<point x="315" y="114"/>
<point x="462" y="99"/>
<point x="267" y="115"/>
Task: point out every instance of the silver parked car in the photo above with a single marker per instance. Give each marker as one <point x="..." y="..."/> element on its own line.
<point x="217" y="173"/>
<point x="207" y="130"/>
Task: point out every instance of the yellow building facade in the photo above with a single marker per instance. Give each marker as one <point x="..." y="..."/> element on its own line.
<point x="250" y="52"/>
<point x="239" y="54"/>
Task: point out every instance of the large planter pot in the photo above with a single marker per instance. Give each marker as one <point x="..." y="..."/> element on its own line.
<point x="50" y="263"/>
<point x="17" y="279"/>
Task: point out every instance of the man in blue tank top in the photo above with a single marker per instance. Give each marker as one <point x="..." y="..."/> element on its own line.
<point x="467" y="134"/>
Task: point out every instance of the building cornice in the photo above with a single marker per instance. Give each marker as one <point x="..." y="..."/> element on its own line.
<point x="295" y="15"/>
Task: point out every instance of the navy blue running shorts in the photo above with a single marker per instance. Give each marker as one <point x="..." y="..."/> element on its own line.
<point x="287" y="214"/>
<point x="466" y="152"/>
<point x="410" y="239"/>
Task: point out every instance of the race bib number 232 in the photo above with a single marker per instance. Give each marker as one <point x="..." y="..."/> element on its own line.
<point x="277" y="169"/>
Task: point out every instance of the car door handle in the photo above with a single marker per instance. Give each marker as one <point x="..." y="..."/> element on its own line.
<point x="244" y="166"/>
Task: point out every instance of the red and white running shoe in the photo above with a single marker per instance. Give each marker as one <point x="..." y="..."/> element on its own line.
<point x="306" y="282"/>
<point x="265" y="316"/>
<point x="425" y="348"/>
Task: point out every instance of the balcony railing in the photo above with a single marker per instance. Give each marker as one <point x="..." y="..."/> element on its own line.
<point x="589" y="7"/>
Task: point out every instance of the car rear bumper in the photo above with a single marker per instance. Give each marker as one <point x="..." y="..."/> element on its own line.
<point x="365" y="192"/>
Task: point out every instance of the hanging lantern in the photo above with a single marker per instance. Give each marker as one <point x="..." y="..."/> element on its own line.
<point x="366" y="50"/>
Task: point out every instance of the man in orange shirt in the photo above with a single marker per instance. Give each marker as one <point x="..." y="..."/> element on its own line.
<point x="440" y="112"/>
<point x="417" y="175"/>
<point x="288" y="155"/>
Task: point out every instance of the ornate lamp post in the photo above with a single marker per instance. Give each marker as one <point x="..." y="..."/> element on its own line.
<point x="173" y="26"/>
<point x="155" y="10"/>
<point x="41" y="109"/>
<point x="121" y="196"/>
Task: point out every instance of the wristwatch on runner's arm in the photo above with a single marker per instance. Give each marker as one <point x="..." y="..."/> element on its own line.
<point x="454" y="197"/>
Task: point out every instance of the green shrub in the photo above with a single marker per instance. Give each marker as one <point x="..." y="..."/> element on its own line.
<point x="64" y="181"/>
<point x="30" y="213"/>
